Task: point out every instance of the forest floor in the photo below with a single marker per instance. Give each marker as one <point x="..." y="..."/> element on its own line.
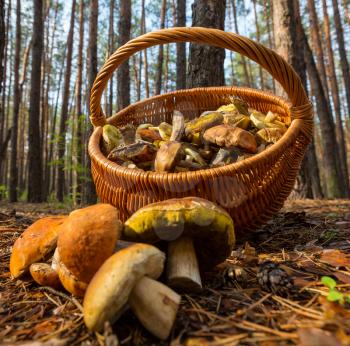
<point x="309" y="240"/>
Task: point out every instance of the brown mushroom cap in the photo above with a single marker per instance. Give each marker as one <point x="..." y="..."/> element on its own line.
<point x="109" y="290"/>
<point x="169" y="154"/>
<point x="210" y="227"/>
<point x="87" y="238"/>
<point x="44" y="275"/>
<point x="35" y="244"/>
<point x="228" y="136"/>
<point x="67" y="278"/>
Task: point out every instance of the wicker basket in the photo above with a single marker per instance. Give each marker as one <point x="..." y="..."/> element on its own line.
<point x="251" y="190"/>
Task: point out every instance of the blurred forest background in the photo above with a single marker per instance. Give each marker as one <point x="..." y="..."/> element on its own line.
<point x="51" y="50"/>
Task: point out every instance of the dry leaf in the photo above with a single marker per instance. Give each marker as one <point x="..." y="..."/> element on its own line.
<point x="51" y="342"/>
<point x="45" y="327"/>
<point x="317" y="337"/>
<point x="335" y="258"/>
<point x="196" y="342"/>
<point x="343" y="277"/>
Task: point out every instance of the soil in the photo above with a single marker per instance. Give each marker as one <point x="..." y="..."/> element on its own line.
<point x="307" y="240"/>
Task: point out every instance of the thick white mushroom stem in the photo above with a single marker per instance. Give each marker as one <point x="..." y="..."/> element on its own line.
<point x="183" y="272"/>
<point x="155" y="305"/>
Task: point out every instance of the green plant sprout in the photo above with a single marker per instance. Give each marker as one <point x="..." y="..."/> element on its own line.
<point x="334" y="295"/>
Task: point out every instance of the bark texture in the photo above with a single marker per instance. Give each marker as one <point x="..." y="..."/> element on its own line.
<point x="35" y="182"/>
<point x="64" y="109"/>
<point x="206" y="63"/>
<point x="2" y="42"/>
<point x="16" y="104"/>
<point x="333" y="85"/>
<point x="342" y="51"/>
<point x="90" y="192"/>
<point x="79" y="111"/>
<point x="330" y="150"/>
<point x="123" y="73"/>
<point x="181" y="47"/>
<point x="159" y="72"/>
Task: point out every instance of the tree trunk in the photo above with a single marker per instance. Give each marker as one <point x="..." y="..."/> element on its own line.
<point x="159" y="72"/>
<point x="110" y="51"/>
<point x="47" y="167"/>
<point x="243" y="60"/>
<point x="342" y="52"/>
<point x="143" y="30"/>
<point x="257" y="35"/>
<point x="123" y="73"/>
<point x="333" y="84"/>
<point x="317" y="45"/>
<point x="2" y="42"/>
<point x="79" y="135"/>
<point x="347" y="11"/>
<point x="288" y="42"/>
<point x="34" y="153"/>
<point x="16" y="105"/>
<point x="3" y="63"/>
<point x="90" y="192"/>
<point x="64" y="109"/>
<point x="181" y="47"/>
<point x="267" y="16"/>
<point x="331" y="156"/>
<point x="206" y="63"/>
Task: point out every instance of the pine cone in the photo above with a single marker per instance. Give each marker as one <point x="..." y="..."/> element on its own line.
<point x="274" y="279"/>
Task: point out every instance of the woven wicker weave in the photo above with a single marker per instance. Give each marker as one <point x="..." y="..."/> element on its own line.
<point x="251" y="190"/>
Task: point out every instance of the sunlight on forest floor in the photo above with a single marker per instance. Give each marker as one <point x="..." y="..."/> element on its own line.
<point x="308" y="238"/>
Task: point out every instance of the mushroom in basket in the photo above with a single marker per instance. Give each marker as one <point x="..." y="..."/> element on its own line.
<point x="197" y="232"/>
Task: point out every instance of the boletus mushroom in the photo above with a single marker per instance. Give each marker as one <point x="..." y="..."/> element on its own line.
<point x="44" y="275"/>
<point x="35" y="244"/>
<point x="228" y="136"/>
<point x="205" y="121"/>
<point x="87" y="238"/>
<point x="197" y="231"/>
<point x="68" y="280"/>
<point x="168" y="155"/>
<point x="111" y="138"/>
<point x="128" y="277"/>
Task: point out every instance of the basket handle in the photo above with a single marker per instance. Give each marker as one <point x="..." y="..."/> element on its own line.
<point x="267" y="58"/>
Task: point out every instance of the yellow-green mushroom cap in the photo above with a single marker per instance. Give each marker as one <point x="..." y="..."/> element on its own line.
<point x="110" y="288"/>
<point x="210" y="227"/>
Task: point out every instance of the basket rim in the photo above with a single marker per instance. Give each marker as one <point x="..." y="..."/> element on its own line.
<point x="289" y="136"/>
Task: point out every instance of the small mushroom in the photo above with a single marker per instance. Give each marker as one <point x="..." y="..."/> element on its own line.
<point x="128" y="277"/>
<point x="44" y="275"/>
<point x="164" y="130"/>
<point x="258" y="119"/>
<point x="228" y="136"/>
<point x="203" y="122"/>
<point x="195" y="155"/>
<point x="35" y="244"/>
<point x="68" y="280"/>
<point x="189" y="165"/>
<point x="224" y="156"/>
<point x="137" y="152"/>
<point x="129" y="134"/>
<point x="178" y="129"/>
<point x="112" y="138"/>
<point x="239" y="120"/>
<point x="271" y="117"/>
<point x="270" y="135"/>
<point x="236" y="104"/>
<point x="168" y="156"/>
<point x="87" y="238"/>
<point x="197" y="231"/>
<point x="149" y="135"/>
